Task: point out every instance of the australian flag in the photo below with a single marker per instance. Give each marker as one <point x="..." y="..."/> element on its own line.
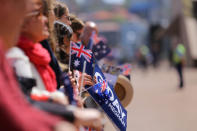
<point x="98" y="46"/>
<point x="68" y="90"/>
<point x="80" y="50"/>
<point x="105" y="96"/>
<point x="80" y="54"/>
<point x="103" y="93"/>
<point x="100" y="50"/>
<point x="126" y="70"/>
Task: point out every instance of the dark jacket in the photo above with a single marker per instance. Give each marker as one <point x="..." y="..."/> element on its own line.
<point x="54" y="64"/>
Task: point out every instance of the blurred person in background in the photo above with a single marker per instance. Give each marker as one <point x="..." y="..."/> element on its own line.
<point x="85" y="37"/>
<point x="63" y="35"/>
<point x="77" y="26"/>
<point x="143" y="54"/>
<point x="90" y="27"/>
<point x="179" y="59"/>
<point x="50" y="44"/>
<point x="90" y="38"/>
<point x="62" y="13"/>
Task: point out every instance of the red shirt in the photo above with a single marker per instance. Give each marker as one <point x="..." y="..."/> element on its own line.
<point x="16" y="114"/>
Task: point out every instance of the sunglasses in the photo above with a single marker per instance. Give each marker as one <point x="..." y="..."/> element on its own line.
<point x="68" y="18"/>
<point x="34" y="14"/>
<point x="63" y="29"/>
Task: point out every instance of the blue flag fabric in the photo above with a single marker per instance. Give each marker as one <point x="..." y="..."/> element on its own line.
<point x="100" y="50"/>
<point x="68" y="90"/>
<point x="103" y="93"/>
<point x="105" y="96"/>
<point x="111" y="79"/>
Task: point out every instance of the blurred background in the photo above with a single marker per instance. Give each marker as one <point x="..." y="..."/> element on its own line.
<point x="143" y="33"/>
<point x="129" y="24"/>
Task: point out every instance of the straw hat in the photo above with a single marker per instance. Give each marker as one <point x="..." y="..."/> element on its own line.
<point x="124" y="90"/>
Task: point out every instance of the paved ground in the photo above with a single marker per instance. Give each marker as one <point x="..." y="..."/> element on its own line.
<point x="159" y="105"/>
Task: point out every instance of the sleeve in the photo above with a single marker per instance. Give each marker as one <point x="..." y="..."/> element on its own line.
<point x="20" y="62"/>
<point x="55" y="109"/>
<point x="53" y="63"/>
<point x="26" y="84"/>
<point x="16" y="114"/>
<point x="23" y="68"/>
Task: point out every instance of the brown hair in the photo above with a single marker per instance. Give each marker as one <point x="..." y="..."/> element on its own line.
<point x="62" y="30"/>
<point x="60" y="9"/>
<point x="48" y="6"/>
<point x="76" y="23"/>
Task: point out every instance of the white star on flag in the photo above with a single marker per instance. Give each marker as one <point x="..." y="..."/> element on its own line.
<point x="77" y="63"/>
<point x="104" y="51"/>
<point x="98" y="46"/>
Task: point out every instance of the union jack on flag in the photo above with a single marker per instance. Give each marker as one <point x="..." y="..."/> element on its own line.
<point x="80" y="50"/>
<point x="103" y="87"/>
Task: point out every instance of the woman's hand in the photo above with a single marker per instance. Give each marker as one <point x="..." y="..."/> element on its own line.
<point x="87" y="80"/>
<point x="74" y="85"/>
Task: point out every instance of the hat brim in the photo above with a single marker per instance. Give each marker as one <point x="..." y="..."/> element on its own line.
<point x="124" y="90"/>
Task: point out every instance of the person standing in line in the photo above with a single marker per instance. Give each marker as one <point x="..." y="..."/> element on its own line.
<point x="16" y="113"/>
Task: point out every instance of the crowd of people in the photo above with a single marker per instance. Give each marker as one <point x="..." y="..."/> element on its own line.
<point x="35" y="38"/>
